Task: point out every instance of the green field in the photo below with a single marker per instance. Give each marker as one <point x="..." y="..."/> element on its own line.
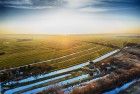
<point x="66" y="50"/>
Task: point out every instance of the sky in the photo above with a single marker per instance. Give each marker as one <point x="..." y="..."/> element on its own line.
<point x="69" y="16"/>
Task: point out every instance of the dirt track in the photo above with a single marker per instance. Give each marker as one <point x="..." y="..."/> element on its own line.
<point x="116" y="70"/>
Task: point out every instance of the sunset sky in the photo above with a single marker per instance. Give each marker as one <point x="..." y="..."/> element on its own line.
<point x="69" y="16"/>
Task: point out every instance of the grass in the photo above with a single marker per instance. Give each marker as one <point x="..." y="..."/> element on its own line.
<point x="27" y="49"/>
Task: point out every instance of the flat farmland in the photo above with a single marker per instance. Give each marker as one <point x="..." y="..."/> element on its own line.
<point x="56" y="51"/>
<point x="41" y="62"/>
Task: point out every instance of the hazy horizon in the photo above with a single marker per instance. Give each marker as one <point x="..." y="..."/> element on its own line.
<point x="69" y="17"/>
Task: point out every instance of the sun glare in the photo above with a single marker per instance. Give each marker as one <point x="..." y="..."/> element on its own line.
<point x="67" y="22"/>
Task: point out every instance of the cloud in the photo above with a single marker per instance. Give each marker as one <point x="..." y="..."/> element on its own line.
<point x="31" y="4"/>
<point x="110" y="6"/>
<point x="30" y="7"/>
<point x="15" y="2"/>
<point x="82" y="5"/>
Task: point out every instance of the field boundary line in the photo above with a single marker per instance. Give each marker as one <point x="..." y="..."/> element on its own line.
<point x="49" y="60"/>
<point x="81" y="55"/>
